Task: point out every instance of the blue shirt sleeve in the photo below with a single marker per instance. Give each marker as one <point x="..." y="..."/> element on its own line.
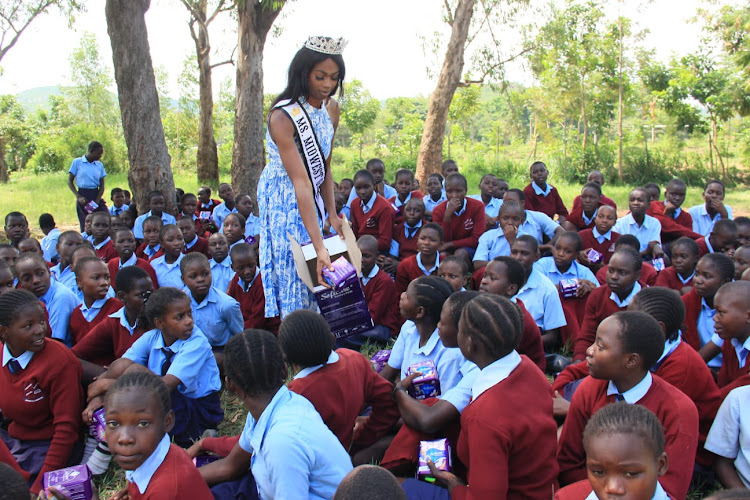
<point x="460" y="394"/>
<point x="548" y="225"/>
<point x="141" y="348"/>
<point x="483" y="247"/>
<point x="396" y="358"/>
<point x="554" y="317"/>
<point x="194" y="364"/>
<point x="233" y="315"/>
<point x="394" y="248"/>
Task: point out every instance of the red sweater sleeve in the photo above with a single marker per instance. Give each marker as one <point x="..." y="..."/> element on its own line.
<point x="474" y="212"/>
<point x="591" y="320"/>
<point x="220" y="445"/>
<point x="381" y="296"/>
<point x="377" y="392"/>
<point x="571" y="457"/>
<point x="571" y="373"/>
<point x="670" y="228"/>
<point x="385" y="218"/>
<point x="560" y="208"/>
<point x="403" y="274"/>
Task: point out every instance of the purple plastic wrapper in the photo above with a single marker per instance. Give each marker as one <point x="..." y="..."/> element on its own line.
<point x="205" y="216"/>
<point x="74" y="482"/>
<point x="345" y="308"/>
<point x="342" y="270"/>
<point x="97" y="426"/>
<point x="658" y="264"/>
<point x="426" y="385"/>
<point x="91" y="206"/>
<point x="250" y="240"/>
<point x="439" y="451"/>
<point x="379" y="359"/>
<point x="202" y="460"/>
<point x="594" y="256"/>
<point x="568" y="288"/>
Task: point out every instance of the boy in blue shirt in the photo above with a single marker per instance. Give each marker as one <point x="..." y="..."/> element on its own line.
<point x="86" y="181"/>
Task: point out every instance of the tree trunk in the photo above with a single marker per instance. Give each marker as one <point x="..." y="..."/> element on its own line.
<point x="139" y="102"/>
<point x="207" y="157"/>
<point x="583" y="115"/>
<point x="715" y="133"/>
<point x="248" y="153"/>
<point x="430" y="155"/>
<point x="3" y="166"/>
<point x="619" y="108"/>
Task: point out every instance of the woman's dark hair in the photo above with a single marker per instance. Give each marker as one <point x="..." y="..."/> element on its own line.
<point x="160" y="300"/>
<point x="81" y="264"/>
<point x="143" y="381"/>
<point x="513" y="269"/>
<point x="458" y="301"/>
<point x="665" y="305"/>
<point x="434" y="226"/>
<point x="494" y="322"/>
<point x="640" y="334"/>
<point x="253" y="361"/>
<point x="304" y="60"/>
<point x="722" y="263"/>
<point x="688" y="244"/>
<point x="127" y="276"/>
<point x="624" y="418"/>
<point x="14" y="302"/>
<point x="305" y="338"/>
<point x="431" y="292"/>
<point x="574" y="237"/>
<point x="592" y="185"/>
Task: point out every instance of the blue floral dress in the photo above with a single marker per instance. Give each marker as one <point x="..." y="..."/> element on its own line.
<point x="279" y="215"/>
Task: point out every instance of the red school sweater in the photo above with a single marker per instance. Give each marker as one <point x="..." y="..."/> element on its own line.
<point x="463" y="230"/>
<point x="114" y="266"/>
<point x="575" y="217"/>
<point x="675" y="411"/>
<point x="378" y="222"/>
<point x="603" y="200"/>
<point x="200" y="246"/>
<point x="253" y="305"/>
<point x="692" y="311"/>
<point x="549" y="205"/>
<point x="672" y="228"/>
<point x="606" y="248"/>
<point x="399" y="212"/>
<point x="340" y="390"/>
<point x="531" y="339"/>
<point x="668" y="278"/>
<point x="79" y="327"/>
<point x="382" y="301"/>
<point x="176" y="478"/>
<point x="509" y="449"/>
<point x="406" y="246"/>
<point x="107" y="252"/>
<point x="106" y="342"/>
<point x="141" y="254"/>
<point x="45" y="401"/>
<point x="407" y="271"/>
<point x="703" y="247"/>
<point x="648" y="275"/>
<point x="730" y="366"/>
<point x="598" y="307"/>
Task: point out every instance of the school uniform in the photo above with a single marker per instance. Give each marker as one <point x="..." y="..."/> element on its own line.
<point x="116" y="211"/>
<point x="670" y="278"/>
<point x="65" y="277"/>
<point x="196" y="401"/>
<point x="168" y="274"/>
<point x="220" y="213"/>
<point x="703" y="223"/>
<point x="675" y="411"/>
<point x="679" y="224"/>
<point x="388" y="193"/>
<point x="547" y="200"/>
<point x="582" y="490"/>
<point x="493" y="243"/>
<point x="138" y="225"/>
<point x="542" y="301"/>
<point x="109" y="340"/>
<point x="382" y="299"/>
<point x="398" y="205"/>
<point x="88" y="177"/>
<point x="60" y="303"/>
<point x="699" y="322"/>
<point x="148" y="253"/>
<point x="209" y="207"/>
<point x="602" y="243"/>
<point x="492" y="208"/>
<point x="404" y="242"/>
<point x="602" y="303"/>
<point x="603" y="200"/>
<point x="49" y="245"/>
<point x="198" y="245"/>
<point x="648" y="275"/>
<point x="430" y="204"/>
<point x="168" y="473"/>
<point x="106" y="250"/>
<point x="252" y="226"/>
<point x="43" y="401"/>
<point x="115" y="265"/>
<point x="375" y="218"/>
<point x="580" y="220"/>
<point x="252" y="303"/>
<point x="466" y="225"/>
<point x="730" y="433"/>
<point x="704" y="246"/>
<point x="530" y="344"/>
<point x="412" y="268"/>
<point x="221" y="273"/>
<point x="734" y="353"/>
<point x="84" y="318"/>
<point x="647" y="232"/>
<point x="218" y="316"/>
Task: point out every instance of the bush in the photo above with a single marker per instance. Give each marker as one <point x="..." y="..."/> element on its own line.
<point x="57" y="148"/>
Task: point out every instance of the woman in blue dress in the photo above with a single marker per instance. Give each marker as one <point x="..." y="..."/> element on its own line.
<point x="295" y="190"/>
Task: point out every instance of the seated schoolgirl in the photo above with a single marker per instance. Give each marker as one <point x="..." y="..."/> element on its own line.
<point x="648" y="273"/>
<point x="404" y="193"/>
<point x="600" y="238"/>
<point x="92" y="276"/>
<point x="234" y="228"/>
<point x="62" y="272"/>
<point x="435" y="194"/>
<point x="151" y="247"/>
<point x="167" y="267"/>
<point x="583" y="216"/>
<point x="488" y="186"/>
<point x="405" y="235"/>
<point x="644" y="227"/>
<point x="425" y="262"/>
<point x="221" y="261"/>
<point x="679" y="276"/>
<point x="728" y="440"/>
<point x="246" y="287"/>
<point x="125" y="246"/>
<point x="453" y="270"/>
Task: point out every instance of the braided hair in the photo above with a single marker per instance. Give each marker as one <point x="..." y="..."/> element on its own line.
<point x="624" y="418"/>
<point x="640" y="334"/>
<point x="493" y="321"/>
<point x="458" y="301"/>
<point x="431" y="292"/>
<point x="253" y="361"/>
<point x="240" y="218"/>
<point x="305" y="338"/>
<point x="722" y="263"/>
<point x="142" y="381"/>
<point x="663" y="304"/>
<point x="13" y="302"/>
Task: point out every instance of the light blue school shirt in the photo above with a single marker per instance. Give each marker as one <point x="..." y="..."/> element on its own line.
<point x="294" y="454"/>
<point x="397" y="203"/>
<point x="65" y="277"/>
<point x="492" y="208"/>
<point x="729" y="436"/>
<point x="406" y="352"/>
<point x="113" y="210"/>
<point x="706" y="332"/>
<point x="23" y="360"/>
<point x="542" y="225"/>
<point x="88" y="174"/>
<point x="220" y="213"/>
<point x="460" y="394"/>
<point x="151" y="251"/>
<point x="60" y="303"/>
<point x="539" y="191"/>
<point x="547" y="266"/>
<point x="219" y="316"/>
<point x="635" y="393"/>
<point x="252" y="225"/>
<point x="221" y="273"/>
<point x="168" y="274"/>
<point x="142" y="475"/>
<point x="49" y="245"/>
<point x="704" y="223"/>
<point x="626" y="301"/>
<point x="542" y="301"/>
<point x="659" y="494"/>
<point x="430" y="204"/>
<point x="193" y="361"/>
<point x="495" y="372"/>
<point x="493" y="243"/>
<point x="138" y="225"/>
<point x="89" y="313"/>
<point x="649" y="231"/>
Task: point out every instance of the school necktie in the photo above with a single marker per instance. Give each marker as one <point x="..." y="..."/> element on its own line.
<point x="168" y="355"/>
<point x="14" y="366"/>
<point x="619" y="397"/>
<point x="411" y="231"/>
<point x="117" y="211"/>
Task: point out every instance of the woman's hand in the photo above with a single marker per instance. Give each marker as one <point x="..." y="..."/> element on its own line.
<point x="337" y="223"/>
<point x="324" y="262"/>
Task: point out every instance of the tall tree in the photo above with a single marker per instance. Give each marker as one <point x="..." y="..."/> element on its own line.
<point x="255" y="18"/>
<point x="139" y="102"/>
<point x="200" y="20"/>
<point x="358" y="110"/>
<point x="89" y="95"/>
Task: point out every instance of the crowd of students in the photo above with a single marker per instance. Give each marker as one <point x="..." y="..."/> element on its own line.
<point x="148" y="315"/>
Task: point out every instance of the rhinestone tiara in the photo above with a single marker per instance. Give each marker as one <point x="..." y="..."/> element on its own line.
<point x="326" y="44"/>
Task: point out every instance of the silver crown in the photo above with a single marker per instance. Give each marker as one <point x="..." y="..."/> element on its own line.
<point x="326" y="44"/>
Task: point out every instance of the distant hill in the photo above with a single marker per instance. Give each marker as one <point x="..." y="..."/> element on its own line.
<point x="38" y="97"/>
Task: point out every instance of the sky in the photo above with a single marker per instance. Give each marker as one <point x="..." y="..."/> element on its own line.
<point x="385" y="49"/>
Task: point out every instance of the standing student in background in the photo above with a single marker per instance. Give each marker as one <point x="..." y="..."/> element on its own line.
<point x="86" y="180"/>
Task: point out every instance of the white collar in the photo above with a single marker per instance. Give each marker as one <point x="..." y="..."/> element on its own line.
<point x="659" y="494"/>
<point x="143" y="474"/>
<point x="98" y="304"/>
<point x="23" y="360"/>
<point x="635" y="393"/>
<point x="541" y="191"/>
<point x="332" y="358"/>
<point x="624" y="303"/>
<point x="366" y="207"/>
<point x="372" y="273"/>
<point x="246" y="287"/>
<point x="100" y="245"/>
<point x="607" y="236"/>
<point x="130" y="262"/>
<point x="494" y="373"/>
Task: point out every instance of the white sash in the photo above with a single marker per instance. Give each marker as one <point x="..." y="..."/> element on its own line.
<point x="312" y="153"/>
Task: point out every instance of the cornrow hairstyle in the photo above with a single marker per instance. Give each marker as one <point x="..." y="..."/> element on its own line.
<point x="434" y="226"/>
<point x="634" y="255"/>
<point x="628" y="240"/>
<point x="15" y="214"/>
<point x="193" y="258"/>
<point x="431" y="293"/>
<point x="153" y="218"/>
<point x="305" y="338"/>
<point x="640" y="334"/>
<point x="142" y="382"/>
<point x="126" y="278"/>
<point x="529" y="240"/>
<point x="517" y="192"/>
<point x="715" y="181"/>
<point x="242" y="250"/>
<point x="365" y="174"/>
<point x="624" y="418"/>
<point x="457" y="178"/>
<point x="160" y="300"/>
<point x="494" y="322"/>
<point x="688" y="244"/>
<point x="457" y="260"/>
<point x="165" y="229"/>
<point x="254" y="362"/>
<point x="574" y="237"/>
<point x="404" y="171"/>
<point x="458" y="301"/>
<point x="13" y="302"/>
<point x="15" y="486"/>
<point x="722" y="263"/>
<point x="240" y="218"/>
<point x="662" y="304"/>
<point x="593" y="185"/>
<point x="513" y="269"/>
<point x="510" y="205"/>
<point x="83" y="262"/>
<point x="437" y="176"/>
<point x="724" y="225"/>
